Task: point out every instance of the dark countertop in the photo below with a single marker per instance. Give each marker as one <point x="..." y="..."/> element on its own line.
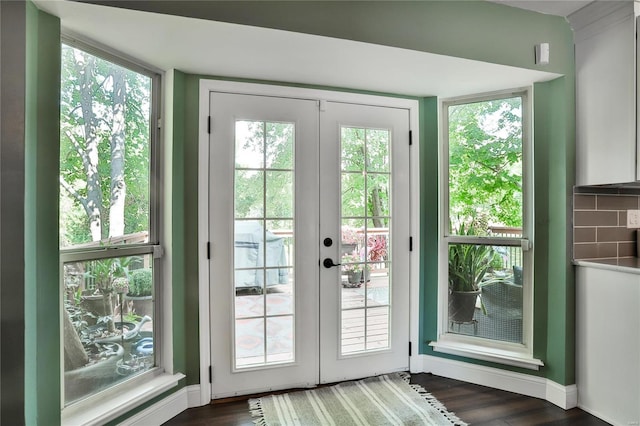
<point x="625" y="264"/>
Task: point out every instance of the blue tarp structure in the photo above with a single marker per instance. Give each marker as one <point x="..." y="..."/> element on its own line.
<point x="250" y="252"/>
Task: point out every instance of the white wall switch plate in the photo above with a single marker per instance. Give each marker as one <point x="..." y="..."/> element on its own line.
<point x="633" y="218"/>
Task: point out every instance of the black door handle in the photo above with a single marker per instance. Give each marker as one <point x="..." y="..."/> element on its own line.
<point x="328" y="263"/>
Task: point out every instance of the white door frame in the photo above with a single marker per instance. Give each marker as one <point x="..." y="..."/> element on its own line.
<point x="207" y="86"/>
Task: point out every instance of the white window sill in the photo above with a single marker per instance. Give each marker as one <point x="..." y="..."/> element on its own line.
<point x="113" y="406"/>
<point x="485" y="353"/>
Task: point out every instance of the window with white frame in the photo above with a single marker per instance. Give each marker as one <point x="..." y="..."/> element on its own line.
<point x="109" y="204"/>
<point x="486" y="221"/>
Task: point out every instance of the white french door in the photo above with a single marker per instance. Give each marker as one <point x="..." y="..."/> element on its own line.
<point x="364" y="199"/>
<point x="293" y="186"/>
<point x="263" y="233"/>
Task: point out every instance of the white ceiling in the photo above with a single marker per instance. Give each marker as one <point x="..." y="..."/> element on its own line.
<point x="221" y="49"/>
<point x="549" y="7"/>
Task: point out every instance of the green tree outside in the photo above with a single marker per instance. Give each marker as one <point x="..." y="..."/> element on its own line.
<point x="104" y="149"/>
<point x="485" y="162"/>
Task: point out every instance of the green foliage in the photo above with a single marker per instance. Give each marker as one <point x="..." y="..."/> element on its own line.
<point x="105" y="271"/>
<point x="132" y="317"/>
<point x="468" y="263"/>
<point x="485" y="161"/>
<point x="365" y="174"/>
<point x="87" y="111"/>
<point x="141" y="282"/>
<point x="351" y="262"/>
<point x="264" y="162"/>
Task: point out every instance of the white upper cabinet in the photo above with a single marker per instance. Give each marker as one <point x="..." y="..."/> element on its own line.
<point x="605" y="43"/>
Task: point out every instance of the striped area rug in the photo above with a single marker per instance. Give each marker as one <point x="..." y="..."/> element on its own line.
<point x="382" y="400"/>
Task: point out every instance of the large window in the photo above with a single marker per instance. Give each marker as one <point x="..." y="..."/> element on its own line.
<point x="108" y="222"/>
<point x="486" y="240"/>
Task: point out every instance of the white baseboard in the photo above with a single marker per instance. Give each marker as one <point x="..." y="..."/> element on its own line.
<point x="565" y="397"/>
<point x="161" y="411"/>
<point x="166" y="409"/>
<point x="194" y="397"/>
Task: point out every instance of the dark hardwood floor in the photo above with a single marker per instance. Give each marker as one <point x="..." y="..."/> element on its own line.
<point x="474" y="404"/>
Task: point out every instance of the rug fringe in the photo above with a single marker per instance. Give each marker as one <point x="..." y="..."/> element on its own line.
<point x="255" y="408"/>
<point x="405" y="376"/>
<point x="433" y="401"/>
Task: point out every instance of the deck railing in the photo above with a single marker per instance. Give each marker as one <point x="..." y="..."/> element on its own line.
<point x="514" y="254"/>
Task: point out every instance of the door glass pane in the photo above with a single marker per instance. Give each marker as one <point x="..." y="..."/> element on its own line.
<point x="353" y="194"/>
<point x="249" y="194"/>
<point x="280" y="339"/>
<point x="378" y="194"/>
<point x="494" y="309"/>
<point x="365" y="255"/>
<point x="353" y="154"/>
<point x="263" y="249"/>
<point x="249" y="146"/>
<point x="250" y="342"/>
<point x="378" y="151"/>
<point x="279" y="194"/>
<point x="279" y="146"/>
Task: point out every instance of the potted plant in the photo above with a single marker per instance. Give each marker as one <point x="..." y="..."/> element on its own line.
<point x="468" y="264"/>
<point x="353" y="267"/>
<point x="140" y="295"/>
<point x="100" y="302"/>
<point x="350" y="239"/>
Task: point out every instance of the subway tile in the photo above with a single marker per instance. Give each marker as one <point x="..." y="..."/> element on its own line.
<point x="584" y="202"/>
<point x="618" y="234"/>
<point x="622" y="218"/>
<point x="627" y="249"/>
<point x="584" y="235"/>
<point x="595" y="251"/>
<point x="595" y="218"/>
<point x="616" y="202"/>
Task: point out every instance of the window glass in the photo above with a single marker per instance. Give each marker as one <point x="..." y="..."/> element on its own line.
<point x="108" y="323"/>
<point x="486" y="291"/>
<point x="486" y="219"/>
<point x="105" y="115"/>
<point x="105" y="203"/>
<point x="485" y="164"/>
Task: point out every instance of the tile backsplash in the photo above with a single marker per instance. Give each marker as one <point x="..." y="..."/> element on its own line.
<point x="600" y="222"/>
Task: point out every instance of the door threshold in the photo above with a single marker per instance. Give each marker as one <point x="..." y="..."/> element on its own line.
<point x="261" y="394"/>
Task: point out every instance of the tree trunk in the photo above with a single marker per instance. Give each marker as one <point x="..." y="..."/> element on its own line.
<point x="118" y="186"/>
<point x="376" y="206"/>
<point x="93" y="202"/>
<point x="74" y="353"/>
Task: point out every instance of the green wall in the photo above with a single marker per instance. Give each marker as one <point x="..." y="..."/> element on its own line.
<point x="554" y="169"/>
<point x="553" y="300"/>
<point x="429" y="228"/>
<point x="436" y="28"/>
<point x="12" y="184"/>
<point x="42" y="152"/>
<point x="554" y="130"/>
